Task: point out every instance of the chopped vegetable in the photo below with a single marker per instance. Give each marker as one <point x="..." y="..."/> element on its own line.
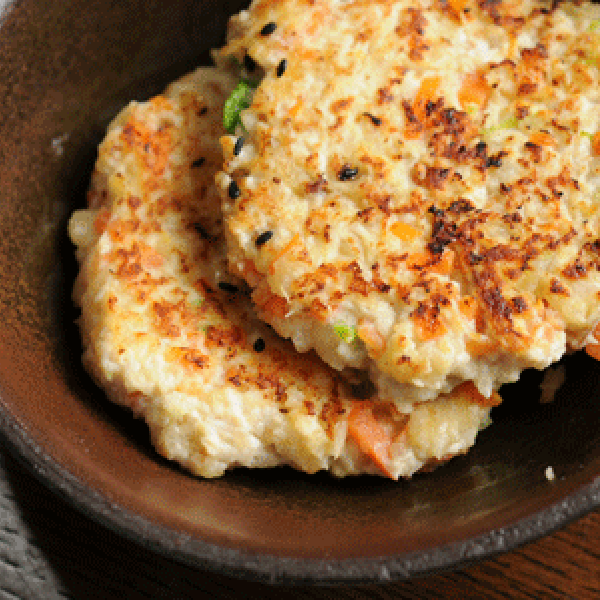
<point x="240" y="99"/>
<point x="596" y="144"/>
<point x="404" y="231"/>
<point x="472" y="394"/>
<point x="541" y="138"/>
<point x="346" y="333"/>
<point x="475" y="91"/>
<point x="427" y="92"/>
<point x="594" y="25"/>
<point x="509" y="123"/>
<point x="370" y="436"/>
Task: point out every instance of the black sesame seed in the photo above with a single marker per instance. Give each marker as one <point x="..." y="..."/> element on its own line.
<point x="249" y="63"/>
<point x="198" y="163"/>
<point x="239" y="144"/>
<point x="281" y="67"/>
<point x="203" y="110"/>
<point x="233" y="190"/>
<point x="259" y="345"/>
<point x="263" y="238"/>
<point x="375" y="120"/>
<point x="347" y="173"/>
<point x="493" y="161"/>
<point x="228" y="287"/>
<point x="268" y="29"/>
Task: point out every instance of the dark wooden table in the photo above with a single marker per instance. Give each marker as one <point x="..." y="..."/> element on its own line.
<point x="49" y="550"/>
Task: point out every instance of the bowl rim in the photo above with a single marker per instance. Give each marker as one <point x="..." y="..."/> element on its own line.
<point x="267" y="568"/>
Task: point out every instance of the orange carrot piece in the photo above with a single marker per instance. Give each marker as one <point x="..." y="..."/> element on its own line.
<point x="369" y="435"/>
<point x="541" y="138"/>
<point x="468" y="307"/>
<point x="283" y="251"/>
<point x="474" y="91"/>
<point x="593" y="350"/>
<point x="596" y="144"/>
<point x="424" y="260"/>
<point x="101" y="220"/>
<point x="427" y="93"/>
<point x="404" y="231"/>
<point x="373" y="340"/>
<point x="457" y="5"/>
<point x="472" y="394"/>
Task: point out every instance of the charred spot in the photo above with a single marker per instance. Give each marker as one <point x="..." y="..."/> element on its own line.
<point x="196" y="358"/>
<point x="462" y="205"/>
<point x="443" y="232"/>
<point x="319" y="185"/>
<point x="430" y="177"/>
<point x="474" y="259"/>
<point x="505" y="189"/>
<point x="409" y="113"/>
<point x="593" y="246"/>
<point x="502" y="252"/>
<point x="384" y="96"/>
<point x="496" y="160"/>
<point x="512" y="218"/>
<point x="481" y="150"/>
<point x="526" y="88"/>
<point x="198" y="162"/>
<point x="556" y="287"/>
<point x="538" y="52"/>
<point x="449" y="115"/>
<point x="221" y="337"/>
<point x="575" y="270"/>
<point x="497" y="303"/>
<point x="536" y="151"/>
<point x="522" y="112"/>
<point x="519" y="305"/>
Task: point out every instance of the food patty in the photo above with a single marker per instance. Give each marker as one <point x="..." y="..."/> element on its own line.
<point x="169" y="333"/>
<point x="426" y="174"/>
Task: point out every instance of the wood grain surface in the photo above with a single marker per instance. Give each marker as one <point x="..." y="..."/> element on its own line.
<point x="49" y="550"/>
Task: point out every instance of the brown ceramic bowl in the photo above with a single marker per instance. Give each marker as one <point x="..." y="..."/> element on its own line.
<point x="65" y="69"/>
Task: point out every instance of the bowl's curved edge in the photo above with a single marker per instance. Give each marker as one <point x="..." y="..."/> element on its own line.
<point x="183" y="548"/>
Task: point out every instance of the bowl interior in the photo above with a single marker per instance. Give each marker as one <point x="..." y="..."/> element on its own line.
<point x="65" y="70"/>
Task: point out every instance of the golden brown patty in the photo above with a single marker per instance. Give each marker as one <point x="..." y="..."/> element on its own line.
<point x="427" y="173"/>
<point x="168" y="332"/>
